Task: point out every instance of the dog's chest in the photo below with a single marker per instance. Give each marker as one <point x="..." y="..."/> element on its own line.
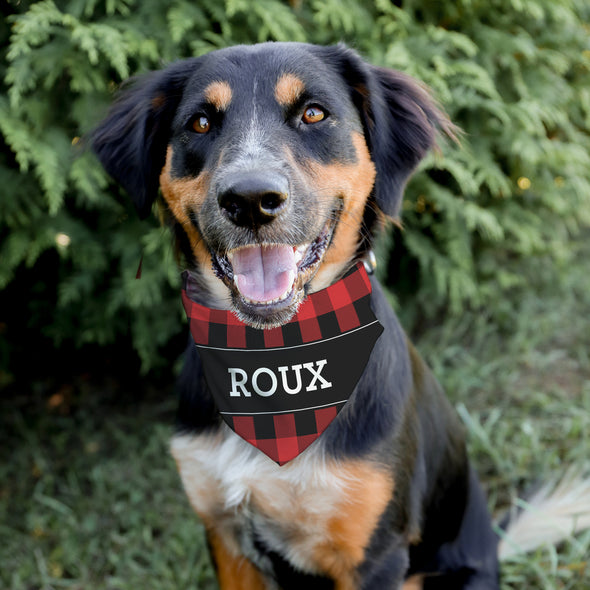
<point x="312" y="511"/>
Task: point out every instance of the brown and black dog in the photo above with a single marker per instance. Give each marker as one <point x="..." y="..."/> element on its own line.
<point x="305" y="150"/>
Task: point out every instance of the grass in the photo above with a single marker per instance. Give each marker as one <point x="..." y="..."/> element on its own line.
<point x="524" y="396"/>
<point x="90" y="499"/>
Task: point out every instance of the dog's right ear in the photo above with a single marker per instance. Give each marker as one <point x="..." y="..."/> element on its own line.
<point x="131" y="141"/>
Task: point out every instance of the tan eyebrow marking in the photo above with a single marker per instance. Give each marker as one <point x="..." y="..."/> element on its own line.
<point x="219" y="94"/>
<point x="288" y="89"/>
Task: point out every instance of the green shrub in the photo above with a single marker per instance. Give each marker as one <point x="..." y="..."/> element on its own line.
<point x="480" y="222"/>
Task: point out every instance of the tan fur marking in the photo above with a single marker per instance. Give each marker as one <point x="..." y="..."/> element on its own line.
<point x="288" y="89"/>
<point x="414" y="583"/>
<point x="219" y="94"/>
<point x="353" y="523"/>
<point x="233" y="572"/>
<point x="353" y="183"/>
<point x="181" y="195"/>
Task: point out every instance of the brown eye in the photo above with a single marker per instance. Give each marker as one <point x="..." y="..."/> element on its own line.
<point x="313" y="114"/>
<point x="201" y="124"/>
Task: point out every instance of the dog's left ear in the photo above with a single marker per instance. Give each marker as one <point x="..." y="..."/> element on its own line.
<point x="401" y="122"/>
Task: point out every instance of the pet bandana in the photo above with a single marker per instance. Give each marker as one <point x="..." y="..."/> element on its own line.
<point x="280" y="388"/>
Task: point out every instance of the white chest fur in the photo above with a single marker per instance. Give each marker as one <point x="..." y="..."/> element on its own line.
<point x="238" y="490"/>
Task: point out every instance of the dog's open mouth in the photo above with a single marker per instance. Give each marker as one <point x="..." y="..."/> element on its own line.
<point x="268" y="281"/>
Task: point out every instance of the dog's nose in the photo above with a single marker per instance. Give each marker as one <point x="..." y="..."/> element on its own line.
<point x="254" y="198"/>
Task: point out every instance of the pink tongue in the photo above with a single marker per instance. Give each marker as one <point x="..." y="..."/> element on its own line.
<point x="264" y="273"/>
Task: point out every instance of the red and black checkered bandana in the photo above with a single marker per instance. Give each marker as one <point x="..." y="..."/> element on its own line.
<point x="280" y="388"/>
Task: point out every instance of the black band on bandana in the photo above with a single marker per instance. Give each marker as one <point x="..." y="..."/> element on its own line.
<point x="280" y="388"/>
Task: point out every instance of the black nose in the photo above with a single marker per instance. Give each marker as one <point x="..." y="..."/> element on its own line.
<point x="254" y="198"/>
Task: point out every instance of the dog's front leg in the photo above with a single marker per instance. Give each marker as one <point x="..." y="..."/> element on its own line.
<point x="234" y="571"/>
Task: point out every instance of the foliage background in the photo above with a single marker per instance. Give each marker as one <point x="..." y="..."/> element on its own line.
<point x="488" y="226"/>
<point x="514" y="74"/>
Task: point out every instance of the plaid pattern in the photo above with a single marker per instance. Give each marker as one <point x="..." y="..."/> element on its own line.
<point x="283" y="433"/>
<point x="284" y="436"/>
<point x="327" y="313"/>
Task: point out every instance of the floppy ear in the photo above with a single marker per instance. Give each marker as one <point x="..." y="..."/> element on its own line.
<point x="131" y="141"/>
<point x="401" y="122"/>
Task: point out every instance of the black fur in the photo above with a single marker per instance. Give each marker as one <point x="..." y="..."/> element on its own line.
<point x="436" y="522"/>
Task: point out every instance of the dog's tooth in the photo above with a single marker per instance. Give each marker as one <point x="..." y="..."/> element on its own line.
<point x="299" y="252"/>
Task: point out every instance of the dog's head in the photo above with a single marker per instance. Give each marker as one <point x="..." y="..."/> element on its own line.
<point x="274" y="162"/>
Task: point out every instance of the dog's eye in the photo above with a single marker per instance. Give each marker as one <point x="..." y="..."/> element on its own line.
<point x="201" y="124"/>
<point x="313" y="114"/>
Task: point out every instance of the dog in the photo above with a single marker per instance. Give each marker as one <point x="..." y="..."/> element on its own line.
<point x="296" y="155"/>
